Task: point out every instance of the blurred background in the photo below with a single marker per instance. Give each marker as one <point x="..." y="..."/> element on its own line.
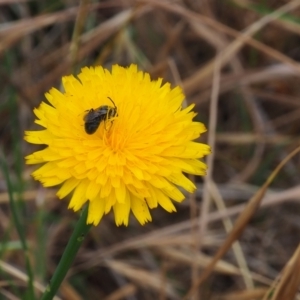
<point x="238" y="61"/>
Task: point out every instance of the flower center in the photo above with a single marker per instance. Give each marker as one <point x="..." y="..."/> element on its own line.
<point x="115" y="138"/>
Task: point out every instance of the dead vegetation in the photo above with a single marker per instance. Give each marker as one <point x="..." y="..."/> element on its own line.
<point x="238" y="236"/>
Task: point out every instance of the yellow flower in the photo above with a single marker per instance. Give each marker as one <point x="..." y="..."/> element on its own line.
<point x="135" y="159"/>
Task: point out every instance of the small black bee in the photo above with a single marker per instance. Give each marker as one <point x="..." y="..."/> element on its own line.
<point x="94" y="117"/>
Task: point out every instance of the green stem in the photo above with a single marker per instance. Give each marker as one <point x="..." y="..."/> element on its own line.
<point x="78" y="235"/>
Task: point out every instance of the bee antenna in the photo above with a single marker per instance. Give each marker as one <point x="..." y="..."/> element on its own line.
<point x="112" y="102"/>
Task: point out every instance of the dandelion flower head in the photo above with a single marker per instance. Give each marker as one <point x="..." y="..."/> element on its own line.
<point x="137" y="157"/>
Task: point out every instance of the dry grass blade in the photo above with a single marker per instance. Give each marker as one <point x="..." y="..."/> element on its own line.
<point x="230" y="82"/>
<point x="255" y="294"/>
<point x="289" y="282"/>
<point x="9" y="269"/>
<point x="3" y="2"/>
<point x="122" y="293"/>
<point x="227" y="223"/>
<point x="213" y="110"/>
<point x="241" y="222"/>
<point x="30" y="195"/>
<point x="249" y="138"/>
<point x="8" y="295"/>
<point x="141" y="277"/>
<point x="67" y="291"/>
<point x="78" y="28"/>
<point x="202" y="260"/>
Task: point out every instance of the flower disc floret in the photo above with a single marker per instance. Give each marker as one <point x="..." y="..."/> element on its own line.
<point x="135" y="160"/>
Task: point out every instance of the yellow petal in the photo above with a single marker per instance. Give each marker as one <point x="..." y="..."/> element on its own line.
<point x="121" y="211"/>
<point x="140" y="210"/>
<point x="96" y="211"/>
<point x="93" y="190"/>
<point x="163" y="200"/>
<point x="79" y="197"/>
<point x="67" y="187"/>
<point x="109" y="202"/>
<point x="181" y="180"/>
<point x="121" y="193"/>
